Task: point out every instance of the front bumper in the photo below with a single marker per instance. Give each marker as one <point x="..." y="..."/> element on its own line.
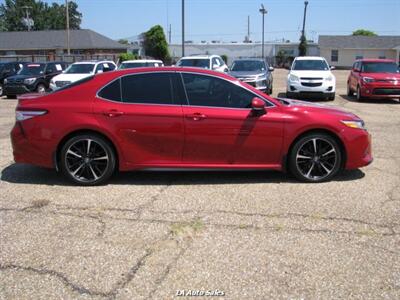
<point x="380" y="90"/>
<point x="18" y="89"/>
<point x="311" y="87"/>
<point x="358" y="148"/>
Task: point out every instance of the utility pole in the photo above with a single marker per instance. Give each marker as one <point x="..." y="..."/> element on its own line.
<point x="248" y="29"/>
<point x="263" y="11"/>
<point x="67" y="26"/>
<point x="304" y="19"/>
<point x="183" y="28"/>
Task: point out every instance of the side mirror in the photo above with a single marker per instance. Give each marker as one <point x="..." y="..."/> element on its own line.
<point x="332" y="67"/>
<point x="258" y="105"/>
<point x="99" y="71"/>
<point x="271" y="69"/>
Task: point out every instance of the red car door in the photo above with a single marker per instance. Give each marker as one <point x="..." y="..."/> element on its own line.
<point x="146" y="118"/>
<point x="222" y="129"/>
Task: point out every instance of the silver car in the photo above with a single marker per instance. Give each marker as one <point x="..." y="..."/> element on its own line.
<point x="255" y="72"/>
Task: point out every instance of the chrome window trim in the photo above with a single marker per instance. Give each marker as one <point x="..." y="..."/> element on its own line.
<point x="236" y="82"/>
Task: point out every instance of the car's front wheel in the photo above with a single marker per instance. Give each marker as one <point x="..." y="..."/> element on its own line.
<point x="87" y="159"/>
<point x="315" y="157"/>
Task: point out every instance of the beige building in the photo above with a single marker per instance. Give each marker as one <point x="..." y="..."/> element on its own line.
<point x="342" y="50"/>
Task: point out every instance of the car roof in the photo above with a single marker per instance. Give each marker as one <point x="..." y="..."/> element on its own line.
<point x="309" y="58"/>
<point x="93" y="62"/>
<point x="200" y="56"/>
<point x="376" y="60"/>
<point x="142" y="60"/>
<point x="250" y="58"/>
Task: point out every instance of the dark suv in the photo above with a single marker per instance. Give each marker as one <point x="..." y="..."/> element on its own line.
<point x="34" y="77"/>
<point x="8" y="69"/>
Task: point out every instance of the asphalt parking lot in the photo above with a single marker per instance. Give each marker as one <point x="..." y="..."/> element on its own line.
<point x="249" y="235"/>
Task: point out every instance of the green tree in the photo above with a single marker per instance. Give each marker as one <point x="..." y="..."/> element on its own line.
<point x="44" y="15"/>
<point x="364" y="32"/>
<point x="155" y="43"/>
<point x="123" y="41"/>
<point x="127" y="56"/>
<point x="303" y="46"/>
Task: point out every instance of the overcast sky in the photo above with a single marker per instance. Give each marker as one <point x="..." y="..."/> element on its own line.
<point x="226" y="20"/>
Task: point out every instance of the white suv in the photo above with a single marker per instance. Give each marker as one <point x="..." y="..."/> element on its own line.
<point x="80" y="70"/>
<point x="309" y="76"/>
<point x="211" y="62"/>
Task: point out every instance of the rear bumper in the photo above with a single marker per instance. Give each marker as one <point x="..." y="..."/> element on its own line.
<point x="30" y="151"/>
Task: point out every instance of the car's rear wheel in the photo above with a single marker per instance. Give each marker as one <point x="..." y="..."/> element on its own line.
<point x="87" y="159"/>
<point x="315" y="157"/>
<point x="331" y="97"/>
<point x="41" y="88"/>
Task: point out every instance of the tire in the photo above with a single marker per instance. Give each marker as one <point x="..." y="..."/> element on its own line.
<point x="310" y="166"/>
<point x="11" y="96"/>
<point x="350" y="93"/>
<point x="270" y="91"/>
<point x="41" y="88"/>
<point x="331" y="98"/>
<point x="359" y="97"/>
<point x="87" y="159"/>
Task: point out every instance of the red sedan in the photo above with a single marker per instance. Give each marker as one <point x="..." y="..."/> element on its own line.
<point x="174" y="118"/>
<point x="374" y="78"/>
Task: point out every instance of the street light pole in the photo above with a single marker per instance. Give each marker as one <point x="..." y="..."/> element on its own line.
<point x="67" y="27"/>
<point x="304" y="20"/>
<point x="263" y="11"/>
<point x="183" y="28"/>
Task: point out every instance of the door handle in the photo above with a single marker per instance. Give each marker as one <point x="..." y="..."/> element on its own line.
<point x="196" y="116"/>
<point x="113" y="113"/>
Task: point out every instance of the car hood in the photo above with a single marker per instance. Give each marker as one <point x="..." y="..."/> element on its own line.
<point x="70" y="77"/>
<point x="383" y="76"/>
<point x="313" y="107"/>
<point x="320" y="74"/>
<point x="246" y="74"/>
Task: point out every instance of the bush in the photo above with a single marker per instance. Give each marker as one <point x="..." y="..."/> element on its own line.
<point x="225" y="58"/>
<point x="127" y="56"/>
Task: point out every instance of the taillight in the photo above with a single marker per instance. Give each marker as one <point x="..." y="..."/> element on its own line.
<point x="22" y="115"/>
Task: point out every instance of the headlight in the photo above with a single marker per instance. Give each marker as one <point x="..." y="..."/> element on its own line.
<point x="359" y="124"/>
<point x="329" y="78"/>
<point x="293" y="78"/>
<point x="29" y="80"/>
<point x="368" y="79"/>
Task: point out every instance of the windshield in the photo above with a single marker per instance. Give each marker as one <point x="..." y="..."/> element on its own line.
<point x="80" y="69"/>
<point x="200" y="63"/>
<point x="248" y="65"/>
<point x="310" y="65"/>
<point x="32" y="69"/>
<point x="379" y="67"/>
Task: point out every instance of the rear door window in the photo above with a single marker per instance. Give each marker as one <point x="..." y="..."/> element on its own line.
<point x="148" y="88"/>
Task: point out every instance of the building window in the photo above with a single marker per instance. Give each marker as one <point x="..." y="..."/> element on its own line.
<point x="334" y="55"/>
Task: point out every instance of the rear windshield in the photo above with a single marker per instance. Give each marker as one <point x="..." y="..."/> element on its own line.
<point x="248" y="65"/>
<point x="310" y="65"/>
<point x="379" y="67"/>
<point x="199" y="63"/>
<point x="80" y="69"/>
<point x="32" y="69"/>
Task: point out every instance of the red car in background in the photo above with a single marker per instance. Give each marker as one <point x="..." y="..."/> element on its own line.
<point x="374" y="78"/>
<point x="182" y="118"/>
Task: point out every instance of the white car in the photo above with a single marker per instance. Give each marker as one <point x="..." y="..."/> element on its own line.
<point x="211" y="62"/>
<point x="138" y="63"/>
<point x="311" y="76"/>
<point x="80" y="70"/>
